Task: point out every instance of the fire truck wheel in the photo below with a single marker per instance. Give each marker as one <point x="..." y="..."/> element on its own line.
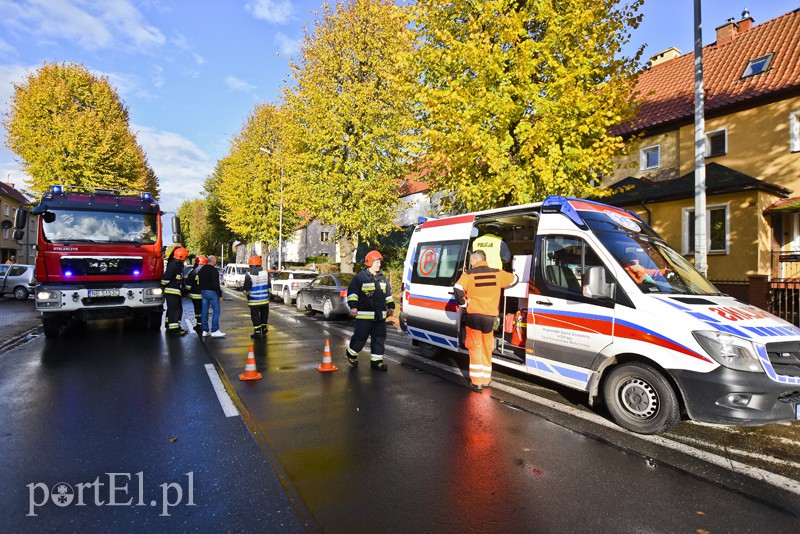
<point x="52" y="326"/>
<point x="153" y="320"/>
<point x="640" y="399"/>
<point x="428" y="351"/>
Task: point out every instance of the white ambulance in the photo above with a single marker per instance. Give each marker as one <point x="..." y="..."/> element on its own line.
<point x="605" y="306"/>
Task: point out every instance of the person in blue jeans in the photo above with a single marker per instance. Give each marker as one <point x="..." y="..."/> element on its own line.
<point x="208" y="280"/>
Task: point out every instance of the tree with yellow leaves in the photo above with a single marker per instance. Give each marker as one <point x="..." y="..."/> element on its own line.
<point x="352" y="118"/>
<point x="518" y="97"/>
<point x="69" y="127"/>
<point x="250" y="187"/>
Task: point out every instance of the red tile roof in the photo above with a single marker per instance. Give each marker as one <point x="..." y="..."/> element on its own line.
<point x="9" y="191"/>
<point x="667" y="89"/>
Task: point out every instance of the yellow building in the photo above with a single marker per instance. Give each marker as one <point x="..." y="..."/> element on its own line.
<point x="22" y="251"/>
<point x="752" y="127"/>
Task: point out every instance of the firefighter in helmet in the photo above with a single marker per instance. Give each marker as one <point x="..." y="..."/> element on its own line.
<point x="193" y="288"/>
<point x="257" y="288"/>
<point x="370" y="299"/>
<point x="172" y="282"/>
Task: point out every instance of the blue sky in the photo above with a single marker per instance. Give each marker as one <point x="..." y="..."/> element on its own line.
<point x="190" y="71"/>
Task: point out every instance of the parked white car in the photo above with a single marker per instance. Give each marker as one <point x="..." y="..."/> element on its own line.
<point x="233" y="275"/>
<point x="286" y="284"/>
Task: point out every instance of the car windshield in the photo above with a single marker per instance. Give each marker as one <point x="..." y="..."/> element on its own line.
<point x="651" y="262"/>
<point x="74" y="226"/>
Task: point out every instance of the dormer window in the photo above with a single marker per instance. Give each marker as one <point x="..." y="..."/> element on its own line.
<point x="757" y="66"/>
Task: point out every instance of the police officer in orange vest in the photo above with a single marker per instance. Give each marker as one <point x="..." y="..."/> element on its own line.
<point x="479" y="289"/>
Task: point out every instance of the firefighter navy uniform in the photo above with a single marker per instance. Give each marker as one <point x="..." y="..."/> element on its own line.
<point x="172" y="283"/>
<point x="372" y="297"/>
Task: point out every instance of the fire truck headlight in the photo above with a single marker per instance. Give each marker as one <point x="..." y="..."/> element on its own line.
<point x="153" y="294"/>
<point x="731" y="351"/>
<point x="46" y="298"/>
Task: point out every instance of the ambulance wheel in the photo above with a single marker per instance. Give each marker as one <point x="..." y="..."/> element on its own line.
<point x="640" y="399"/>
<point x="51" y="326"/>
<point x="428" y="350"/>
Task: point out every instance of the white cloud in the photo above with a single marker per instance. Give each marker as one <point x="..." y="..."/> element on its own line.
<point x="181" y="166"/>
<point x="6" y="49"/>
<point x="276" y="11"/>
<point x="93" y="25"/>
<point x="287" y="45"/>
<point x="235" y="84"/>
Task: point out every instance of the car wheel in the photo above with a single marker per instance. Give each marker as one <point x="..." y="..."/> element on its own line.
<point x="299" y="302"/>
<point x="327" y="309"/>
<point x="287" y="298"/>
<point x="640" y="399"/>
<point x="21" y="293"/>
<point x="428" y="350"/>
<point x="52" y="326"/>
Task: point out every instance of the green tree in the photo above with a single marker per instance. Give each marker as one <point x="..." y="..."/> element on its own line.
<point x="198" y="234"/>
<point x="350" y="141"/>
<point x="251" y="184"/>
<point x="518" y="98"/>
<point x="219" y="233"/>
<point x="69" y="127"/>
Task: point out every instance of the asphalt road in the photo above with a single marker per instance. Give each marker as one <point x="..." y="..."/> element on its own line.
<point x="409" y="450"/>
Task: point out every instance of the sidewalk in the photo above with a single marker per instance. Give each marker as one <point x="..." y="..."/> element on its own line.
<point x="18" y="319"/>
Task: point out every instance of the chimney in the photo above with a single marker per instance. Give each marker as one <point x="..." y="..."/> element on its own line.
<point x="727" y="32"/>
<point x="663" y="57"/>
<point x="747" y="21"/>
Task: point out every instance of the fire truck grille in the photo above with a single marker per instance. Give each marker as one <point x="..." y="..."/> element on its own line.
<point x="101" y="266"/>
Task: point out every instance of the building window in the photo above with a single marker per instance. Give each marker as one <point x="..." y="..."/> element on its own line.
<point x="5" y="209"/>
<point x="717" y="143"/>
<point x="5" y="233"/>
<point x="650" y="157"/>
<point x="794" y="131"/>
<point x="757" y="66"/>
<point x="324" y="236"/>
<point x="717" y="229"/>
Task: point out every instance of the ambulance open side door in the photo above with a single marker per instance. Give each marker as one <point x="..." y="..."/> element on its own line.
<point x="433" y="264"/>
<point x="570" y="327"/>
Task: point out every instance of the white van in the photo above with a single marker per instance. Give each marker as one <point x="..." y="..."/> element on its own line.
<point x="233" y="275"/>
<point x="652" y="350"/>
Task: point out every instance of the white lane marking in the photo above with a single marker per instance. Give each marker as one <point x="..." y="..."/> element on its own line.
<point x="774" y="479"/>
<point x="222" y="395"/>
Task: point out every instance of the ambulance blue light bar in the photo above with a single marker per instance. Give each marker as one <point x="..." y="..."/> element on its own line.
<point x="559" y="204"/>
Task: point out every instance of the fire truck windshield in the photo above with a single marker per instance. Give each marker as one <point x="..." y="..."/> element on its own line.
<point x="78" y="226"/>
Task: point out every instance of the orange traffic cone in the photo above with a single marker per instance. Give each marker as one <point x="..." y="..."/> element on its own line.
<point x="327" y="364"/>
<point x="250" y="371"/>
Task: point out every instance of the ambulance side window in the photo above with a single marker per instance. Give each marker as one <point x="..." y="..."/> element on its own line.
<point x="564" y="261"/>
<point x="438" y="263"/>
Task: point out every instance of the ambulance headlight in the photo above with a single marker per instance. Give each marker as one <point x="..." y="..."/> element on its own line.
<point x="731" y="351"/>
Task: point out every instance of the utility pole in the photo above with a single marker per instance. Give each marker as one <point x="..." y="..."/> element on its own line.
<point x="700" y="247"/>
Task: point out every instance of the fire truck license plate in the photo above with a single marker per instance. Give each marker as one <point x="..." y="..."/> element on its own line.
<point x="104" y="292"/>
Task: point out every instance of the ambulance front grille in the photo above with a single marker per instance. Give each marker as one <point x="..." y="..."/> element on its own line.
<point x="785" y="357"/>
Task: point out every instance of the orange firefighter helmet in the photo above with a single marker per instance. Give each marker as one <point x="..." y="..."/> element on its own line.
<point x="180" y="253"/>
<point x="201" y="260"/>
<point x="254" y="260"/>
<point x="372" y="255"/>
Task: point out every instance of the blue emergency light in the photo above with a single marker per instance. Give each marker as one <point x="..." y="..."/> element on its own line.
<point x="56" y="189"/>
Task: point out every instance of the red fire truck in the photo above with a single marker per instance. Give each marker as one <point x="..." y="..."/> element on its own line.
<point x="99" y="256"/>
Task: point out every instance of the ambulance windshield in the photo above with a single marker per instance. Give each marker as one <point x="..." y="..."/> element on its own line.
<point x="646" y="258"/>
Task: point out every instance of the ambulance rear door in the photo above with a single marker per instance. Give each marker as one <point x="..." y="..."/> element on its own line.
<point x="570" y="327"/>
<point x="435" y="259"/>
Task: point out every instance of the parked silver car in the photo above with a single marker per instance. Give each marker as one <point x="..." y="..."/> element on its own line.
<point x="19" y="280"/>
<point x="327" y="293"/>
<point x="286" y="284"/>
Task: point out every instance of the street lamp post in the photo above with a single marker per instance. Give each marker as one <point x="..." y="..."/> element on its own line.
<point x="280" y="211"/>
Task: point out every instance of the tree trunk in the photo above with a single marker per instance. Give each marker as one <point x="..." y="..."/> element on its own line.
<point x="346" y="248"/>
